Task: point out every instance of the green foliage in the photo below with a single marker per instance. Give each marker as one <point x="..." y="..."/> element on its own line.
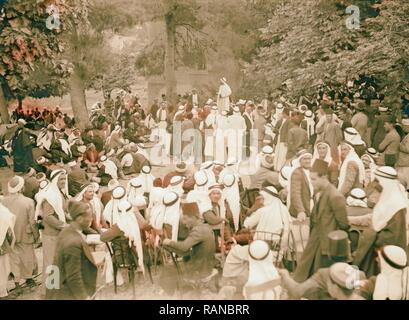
<point x="114" y="15"/>
<point x="305" y="43"/>
<point x="151" y="61"/>
<point x="28" y="48"/>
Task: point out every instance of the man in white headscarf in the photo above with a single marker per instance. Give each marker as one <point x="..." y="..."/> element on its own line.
<point x="88" y="196"/>
<point x="53" y="208"/>
<point x="370" y="168"/>
<point x="264" y="282"/>
<point x="109" y="167"/>
<point x="223" y="96"/>
<point x="352" y="171"/>
<point x="176" y="185"/>
<point x="277" y="115"/>
<point x="133" y="159"/>
<point x="126" y="230"/>
<point x="353" y="137"/>
<point x="393" y="281"/>
<point x="22" y="258"/>
<point x="265" y="170"/>
<point x="207" y="168"/>
<point x="235" y="134"/>
<point x="181" y="111"/>
<point x="309" y="124"/>
<point x="110" y="213"/>
<point x="135" y="194"/>
<point x="230" y="168"/>
<point x="115" y="139"/>
<point x="167" y="213"/>
<point x="389" y="221"/>
<point x="200" y="193"/>
<point x="46" y="137"/>
<point x="272" y="221"/>
<point x="216" y="216"/>
<point x="231" y="194"/>
<point x="162" y="116"/>
<point x="359" y="215"/>
<point x="147" y="179"/>
<point x="322" y="151"/>
<point x="284" y="181"/>
<point x="7" y="240"/>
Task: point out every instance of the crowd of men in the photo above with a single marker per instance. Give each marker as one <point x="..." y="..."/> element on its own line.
<point x="255" y="200"/>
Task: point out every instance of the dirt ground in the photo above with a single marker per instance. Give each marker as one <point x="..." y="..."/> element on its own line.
<point x="145" y="290"/>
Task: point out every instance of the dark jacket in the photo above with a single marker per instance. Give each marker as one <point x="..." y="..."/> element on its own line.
<point x="31" y="187"/>
<point x="329" y="214"/>
<point x="78" y="273"/>
<point x="200" y="244"/>
<point x="300" y="193"/>
<point x="394" y="233"/>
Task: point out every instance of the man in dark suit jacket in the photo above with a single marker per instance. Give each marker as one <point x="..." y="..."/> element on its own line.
<point x="73" y="258"/>
<point x="200" y="244"/>
<point x="301" y="193"/>
<point x="329" y="214"/>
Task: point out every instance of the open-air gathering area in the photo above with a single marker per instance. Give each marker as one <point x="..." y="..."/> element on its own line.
<point x="202" y="150"/>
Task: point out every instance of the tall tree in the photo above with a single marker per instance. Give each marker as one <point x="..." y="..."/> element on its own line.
<point x="183" y="24"/>
<point x="28" y="45"/>
<point x="92" y="58"/>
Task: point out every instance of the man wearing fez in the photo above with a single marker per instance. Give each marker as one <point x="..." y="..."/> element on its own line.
<point x="199" y="243"/>
<point x="73" y="258"/>
<point x="330" y="131"/>
<point x="328" y="214"/>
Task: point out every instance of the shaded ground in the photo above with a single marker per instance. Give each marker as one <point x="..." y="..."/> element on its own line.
<point x="145" y="290"/>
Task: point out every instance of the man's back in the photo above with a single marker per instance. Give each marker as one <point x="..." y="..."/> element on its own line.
<point x="263" y="175"/>
<point x="23" y="208"/>
<point x="203" y="252"/>
<point x="75" y="262"/>
<point x="31" y="187"/>
<point x="329" y="214"/>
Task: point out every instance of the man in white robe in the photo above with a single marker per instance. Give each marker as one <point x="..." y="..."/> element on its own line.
<point x="209" y="127"/>
<point x="223" y="97"/>
<point x="7" y="239"/>
<point x="235" y="134"/>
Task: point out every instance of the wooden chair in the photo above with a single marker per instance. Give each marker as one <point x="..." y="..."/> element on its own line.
<point x="274" y="241"/>
<point x="123" y="257"/>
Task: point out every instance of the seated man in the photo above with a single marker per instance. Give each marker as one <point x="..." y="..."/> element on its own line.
<point x="391" y="283"/>
<point x="335" y="283"/>
<point x="132" y="162"/>
<point x="265" y="173"/>
<point x="199" y="244"/>
<point x="91" y="158"/>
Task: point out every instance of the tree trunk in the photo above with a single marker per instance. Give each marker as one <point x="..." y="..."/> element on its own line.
<point x="4" y="110"/>
<point x="170" y="76"/>
<point x="20" y="102"/>
<point x="78" y="101"/>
